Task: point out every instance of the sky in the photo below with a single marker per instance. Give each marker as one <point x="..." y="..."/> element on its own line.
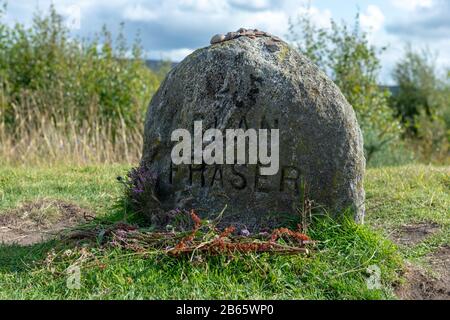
<point x="172" y="29"/>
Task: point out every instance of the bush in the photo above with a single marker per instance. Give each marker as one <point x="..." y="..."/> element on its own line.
<point x="432" y="143"/>
<point x="72" y="90"/>
<point x="353" y="64"/>
<point x="423" y="105"/>
<point x="97" y="74"/>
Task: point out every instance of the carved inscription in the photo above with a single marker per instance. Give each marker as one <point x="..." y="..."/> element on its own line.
<point x="237" y="177"/>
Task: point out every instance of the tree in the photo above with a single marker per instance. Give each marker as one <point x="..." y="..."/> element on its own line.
<point x="420" y="89"/>
<point x="353" y="64"/>
<point x="423" y="104"/>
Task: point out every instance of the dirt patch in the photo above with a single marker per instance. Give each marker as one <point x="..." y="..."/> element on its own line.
<point x="421" y="285"/>
<point x="410" y="235"/>
<point x="37" y="221"/>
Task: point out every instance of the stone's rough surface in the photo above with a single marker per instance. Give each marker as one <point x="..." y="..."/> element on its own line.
<point x="257" y="83"/>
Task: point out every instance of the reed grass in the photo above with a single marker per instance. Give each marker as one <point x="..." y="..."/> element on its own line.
<point x="45" y="136"/>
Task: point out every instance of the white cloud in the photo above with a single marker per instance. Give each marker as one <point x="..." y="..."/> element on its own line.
<point x="251" y="4"/>
<point x="198" y="6"/>
<point x="373" y="19"/>
<point x="175" y="55"/>
<point x="270" y="21"/>
<point x="412" y="5"/>
<point x="321" y="19"/>
<point x="139" y="13"/>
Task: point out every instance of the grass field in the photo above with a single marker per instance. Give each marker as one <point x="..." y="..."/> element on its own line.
<point x="407" y="229"/>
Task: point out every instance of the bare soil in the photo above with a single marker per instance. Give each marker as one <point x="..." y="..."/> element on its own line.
<point x="421" y="284"/>
<point x="410" y="235"/>
<point x="38" y="221"/>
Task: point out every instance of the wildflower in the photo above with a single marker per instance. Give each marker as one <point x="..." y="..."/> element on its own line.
<point x="136" y="190"/>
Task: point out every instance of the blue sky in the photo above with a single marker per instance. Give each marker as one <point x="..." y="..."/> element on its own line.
<point x="171" y="29"/>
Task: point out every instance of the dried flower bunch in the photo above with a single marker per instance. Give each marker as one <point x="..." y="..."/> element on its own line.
<point x="204" y="238"/>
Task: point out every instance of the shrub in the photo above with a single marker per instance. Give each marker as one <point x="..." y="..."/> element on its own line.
<point x="69" y="90"/>
<point x="353" y="64"/>
<point x="423" y="105"/>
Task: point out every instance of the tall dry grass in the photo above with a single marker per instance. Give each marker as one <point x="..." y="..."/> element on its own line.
<point x="41" y="136"/>
<point x="48" y="143"/>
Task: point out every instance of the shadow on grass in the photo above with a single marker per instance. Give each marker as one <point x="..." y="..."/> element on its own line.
<point x="17" y="258"/>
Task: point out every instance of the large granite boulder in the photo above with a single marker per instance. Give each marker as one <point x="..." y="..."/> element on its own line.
<point x="246" y="80"/>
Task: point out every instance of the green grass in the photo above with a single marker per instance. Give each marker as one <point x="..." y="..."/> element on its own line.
<point x="410" y="195"/>
<point x="336" y="270"/>
<point x="90" y="187"/>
